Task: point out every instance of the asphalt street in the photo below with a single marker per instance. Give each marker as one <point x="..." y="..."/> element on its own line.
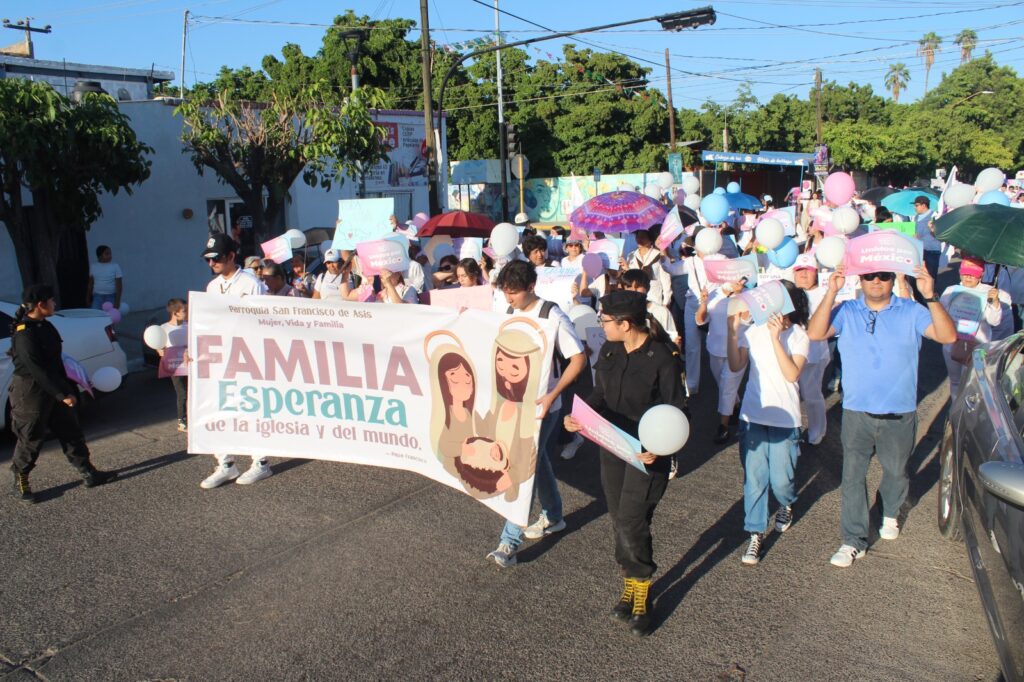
<point x="334" y="571"/>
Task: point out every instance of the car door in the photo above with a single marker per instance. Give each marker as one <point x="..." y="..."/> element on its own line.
<point x="991" y="428"/>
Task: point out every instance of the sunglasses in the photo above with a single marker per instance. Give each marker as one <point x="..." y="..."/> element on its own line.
<point x="215" y="259"/>
<point x="883" y="276"/>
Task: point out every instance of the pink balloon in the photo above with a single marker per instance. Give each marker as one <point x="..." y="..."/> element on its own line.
<point x="420" y="219"/>
<point x="593" y="265"/>
<point x="115" y="315"/>
<point x="839" y="188"/>
<point x="108" y="306"/>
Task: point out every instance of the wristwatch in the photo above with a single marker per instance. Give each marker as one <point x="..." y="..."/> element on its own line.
<point x="933" y="299"/>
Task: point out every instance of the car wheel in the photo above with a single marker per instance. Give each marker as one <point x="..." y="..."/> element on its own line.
<point x="949" y="493"/>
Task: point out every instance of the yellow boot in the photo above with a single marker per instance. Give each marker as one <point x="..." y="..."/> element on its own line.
<point x="640" y="622"/>
<point x="624" y="608"/>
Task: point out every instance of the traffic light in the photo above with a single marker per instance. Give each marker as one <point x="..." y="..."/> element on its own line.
<point x="511" y="140"/>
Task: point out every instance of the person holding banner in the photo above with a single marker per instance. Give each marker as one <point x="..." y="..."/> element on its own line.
<point x="880" y="342"/>
<point x="220" y="254"/>
<point x="328" y="284"/>
<point x="976" y="309"/>
<point x="634" y="372"/>
<point x="517" y="281"/>
<point x="770" y="413"/>
<point x="301" y="280"/>
<point x="275" y="279"/>
<point x="395" y="290"/>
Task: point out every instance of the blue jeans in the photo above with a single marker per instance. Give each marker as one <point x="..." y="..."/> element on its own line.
<point x="545" y="487"/>
<point x="99" y="299"/>
<point x="769" y="456"/>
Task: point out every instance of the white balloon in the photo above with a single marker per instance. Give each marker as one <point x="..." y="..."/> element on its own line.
<point x="106" y="379"/>
<point x="845" y="219"/>
<point x="691" y="184"/>
<point x="296" y="238"/>
<point x="769" y="233"/>
<point x="504" y="239"/>
<point x="830" y="251"/>
<point x="585" y="322"/>
<point x="578" y="311"/>
<point x="958" y="194"/>
<point x="124" y="309"/>
<point x="664" y="430"/>
<point x="653" y="191"/>
<point x="708" y="241"/>
<point x="692" y="202"/>
<point x="989" y="179"/>
<point x="665" y="180"/>
<point x="155" y="337"/>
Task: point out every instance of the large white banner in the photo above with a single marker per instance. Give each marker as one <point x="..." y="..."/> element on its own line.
<point x="450" y="395"/>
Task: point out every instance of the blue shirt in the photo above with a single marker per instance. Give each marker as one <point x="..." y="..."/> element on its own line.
<point x="924" y="234"/>
<point x="880" y="368"/>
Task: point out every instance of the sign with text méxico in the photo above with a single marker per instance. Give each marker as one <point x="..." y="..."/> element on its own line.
<point x="362" y="220"/>
<point x="883" y="251"/>
<point x="391" y="254"/>
<point x="445" y="394"/>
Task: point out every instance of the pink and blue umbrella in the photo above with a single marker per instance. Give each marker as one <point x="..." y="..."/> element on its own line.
<point x="618" y="212"/>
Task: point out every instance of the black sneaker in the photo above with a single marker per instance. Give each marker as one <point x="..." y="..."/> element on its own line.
<point x="753" y="554"/>
<point x="22" y="489"/>
<point x="95" y="477"/>
<point x="722" y="436"/>
<point x="783" y="519"/>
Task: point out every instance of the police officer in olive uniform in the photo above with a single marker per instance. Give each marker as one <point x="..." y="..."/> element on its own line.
<point x="41" y="396"/>
<point x="635" y="371"/>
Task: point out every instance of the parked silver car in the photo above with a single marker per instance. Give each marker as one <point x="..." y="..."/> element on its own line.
<point x="981" y="489"/>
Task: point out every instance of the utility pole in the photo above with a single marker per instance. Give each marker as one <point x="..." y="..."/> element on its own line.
<point x="671" y="109"/>
<point x="26" y="26"/>
<point x="184" y="36"/>
<point x="428" y="111"/>
<point x="502" y="134"/>
<point x="817" y="97"/>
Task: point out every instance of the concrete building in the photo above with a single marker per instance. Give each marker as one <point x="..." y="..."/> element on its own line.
<point x="123" y="84"/>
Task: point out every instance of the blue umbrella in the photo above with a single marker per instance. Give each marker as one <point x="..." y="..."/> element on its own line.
<point x="743" y="202"/>
<point x="903" y="202"/>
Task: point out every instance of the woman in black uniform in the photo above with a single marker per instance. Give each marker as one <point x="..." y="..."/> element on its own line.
<point x="634" y="372"/>
<point x="41" y="396"/>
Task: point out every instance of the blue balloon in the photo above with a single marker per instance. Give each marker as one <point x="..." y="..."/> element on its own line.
<point x="719" y="190"/>
<point x="994" y="197"/>
<point x="733" y="188"/>
<point x="784" y="255"/>
<point x="714" y="208"/>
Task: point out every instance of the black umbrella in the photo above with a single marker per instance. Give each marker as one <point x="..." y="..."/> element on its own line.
<point x="990" y="231"/>
<point x="876" y="194"/>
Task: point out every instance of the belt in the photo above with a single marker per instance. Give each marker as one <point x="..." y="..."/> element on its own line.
<point x="889" y="416"/>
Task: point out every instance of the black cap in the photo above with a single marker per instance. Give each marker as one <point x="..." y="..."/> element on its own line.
<point x="624" y="304"/>
<point x="219" y="244"/>
<point x="923" y="200"/>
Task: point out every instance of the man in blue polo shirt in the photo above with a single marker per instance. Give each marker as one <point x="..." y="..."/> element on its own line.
<point x="880" y="342"/>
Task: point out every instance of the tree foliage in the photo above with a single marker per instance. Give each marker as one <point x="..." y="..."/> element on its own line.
<point x="62" y="157"/>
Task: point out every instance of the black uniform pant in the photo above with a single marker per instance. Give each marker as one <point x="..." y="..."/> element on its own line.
<point x="33" y="412"/>
<point x="632" y="497"/>
<point x="181" y="395"/>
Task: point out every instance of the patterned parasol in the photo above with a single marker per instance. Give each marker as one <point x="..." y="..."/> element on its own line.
<point x="618" y="212"/>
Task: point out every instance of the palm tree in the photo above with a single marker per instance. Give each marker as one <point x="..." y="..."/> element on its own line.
<point x="967" y="39"/>
<point x="897" y="79"/>
<point x="927" y="48"/>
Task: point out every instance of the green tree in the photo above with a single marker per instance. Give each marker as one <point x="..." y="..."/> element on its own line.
<point x="64" y="156"/>
<point x="967" y="39"/>
<point x="896" y="79"/>
<point x="929" y="45"/>
<point x="260" y="148"/>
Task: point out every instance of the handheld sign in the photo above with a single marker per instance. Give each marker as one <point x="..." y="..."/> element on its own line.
<point x="966" y="307"/>
<point x="599" y="430"/>
<point x="883" y="251"/>
<point x="383" y="254"/>
<point x="762" y="302"/>
<point x="278" y="249"/>
<point x="720" y="271"/>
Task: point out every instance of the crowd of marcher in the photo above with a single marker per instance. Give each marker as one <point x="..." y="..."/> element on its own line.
<point x="659" y="312"/>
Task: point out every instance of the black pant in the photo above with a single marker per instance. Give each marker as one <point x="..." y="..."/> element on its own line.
<point x="632" y="497"/>
<point x="181" y="394"/>
<point x="32" y="413"/>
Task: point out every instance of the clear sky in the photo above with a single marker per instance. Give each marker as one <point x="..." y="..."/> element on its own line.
<point x="774" y="44"/>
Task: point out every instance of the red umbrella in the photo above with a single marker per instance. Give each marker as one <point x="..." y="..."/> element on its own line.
<point x="458" y="224"/>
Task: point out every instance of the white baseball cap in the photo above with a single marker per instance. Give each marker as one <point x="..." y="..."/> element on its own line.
<point x="805" y="261"/>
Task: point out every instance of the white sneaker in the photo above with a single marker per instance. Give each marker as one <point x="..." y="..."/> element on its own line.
<point x="542" y="527"/>
<point x="569" y="451"/>
<point x="221" y="475"/>
<point x="504" y="556"/>
<point x="890" y="529"/>
<point x="846" y="555"/>
<point x="257" y="472"/>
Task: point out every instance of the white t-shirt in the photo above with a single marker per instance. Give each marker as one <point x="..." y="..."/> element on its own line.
<point x="177" y="334"/>
<point x="664" y="318"/>
<point x="718" y="323"/>
<point x="818" y="351"/>
<point x="103" y="276"/>
<point x="574" y="264"/>
<point x="328" y="285"/>
<point x="241" y="283"/>
<point x="405" y="292"/>
<point x="659" y="276"/>
<point x="770" y="400"/>
<point x="416" y="277"/>
<point x="568" y="343"/>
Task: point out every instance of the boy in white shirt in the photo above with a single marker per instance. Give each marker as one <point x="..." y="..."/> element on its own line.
<point x="105" y="280"/>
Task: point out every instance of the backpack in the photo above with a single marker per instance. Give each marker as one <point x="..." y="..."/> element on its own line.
<point x="584" y="383"/>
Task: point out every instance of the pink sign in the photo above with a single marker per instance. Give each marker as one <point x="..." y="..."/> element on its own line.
<point x="671" y="228"/>
<point x="607" y="250"/>
<point x="599" y="430"/>
<point x="883" y="251"/>
<point x="173" y="363"/>
<point x="762" y="302"/>
<point x="278" y="249"/>
<point x="720" y="271"/>
<point x="382" y="254"/>
<point x="463" y="298"/>
<point x="966" y="307"/>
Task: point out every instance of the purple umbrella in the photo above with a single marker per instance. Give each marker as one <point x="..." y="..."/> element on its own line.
<point x="618" y="212"/>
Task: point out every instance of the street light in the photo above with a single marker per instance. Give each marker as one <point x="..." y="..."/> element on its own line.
<point x="971" y="96"/>
<point x="675" y="21"/>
